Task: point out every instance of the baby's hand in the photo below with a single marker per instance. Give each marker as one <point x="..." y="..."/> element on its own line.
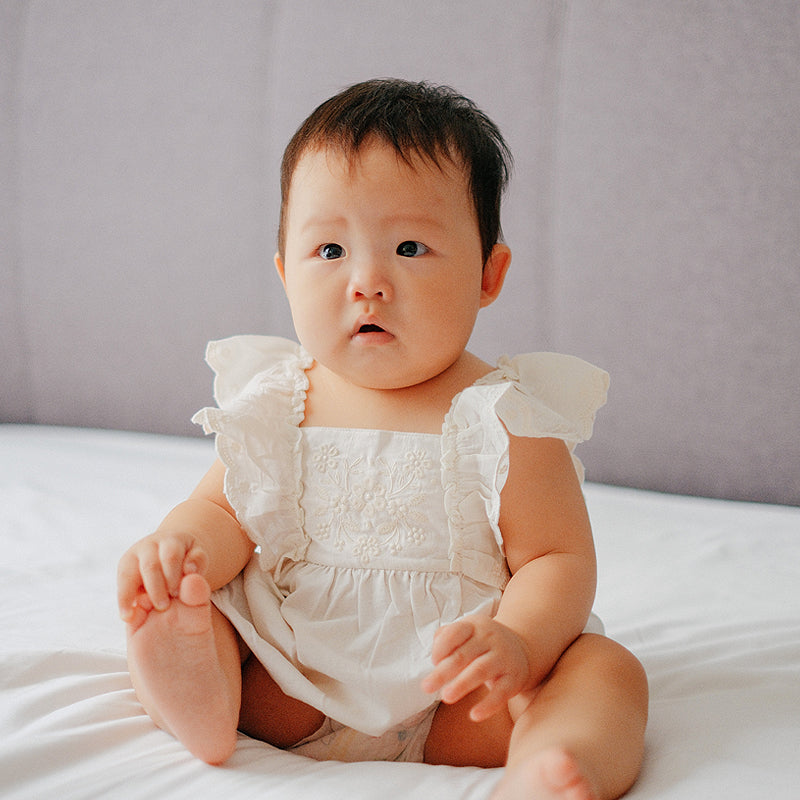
<point x="149" y="574"/>
<point x="477" y="651"/>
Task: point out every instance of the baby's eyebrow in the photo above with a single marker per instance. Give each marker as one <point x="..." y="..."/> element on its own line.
<point x="416" y="220"/>
<point x="422" y="222"/>
<point x="323" y="222"/>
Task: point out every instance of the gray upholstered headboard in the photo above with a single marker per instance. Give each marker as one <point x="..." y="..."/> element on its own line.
<point x="654" y="214"/>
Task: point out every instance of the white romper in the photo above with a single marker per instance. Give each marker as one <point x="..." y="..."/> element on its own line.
<point x="367" y="540"/>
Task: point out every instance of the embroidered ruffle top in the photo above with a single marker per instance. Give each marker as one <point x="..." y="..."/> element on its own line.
<point x="369" y="540"/>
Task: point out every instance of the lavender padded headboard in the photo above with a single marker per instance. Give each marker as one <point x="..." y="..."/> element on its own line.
<point x="654" y="214"/>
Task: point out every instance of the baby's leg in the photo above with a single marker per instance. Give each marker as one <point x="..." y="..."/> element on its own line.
<point x="186" y="670"/>
<point x="582" y="734"/>
<point x="271" y="715"/>
<point x="579" y="736"/>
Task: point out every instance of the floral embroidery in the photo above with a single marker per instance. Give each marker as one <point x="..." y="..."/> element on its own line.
<point x="418" y="463"/>
<point x="326" y="458"/>
<point x="369" y="506"/>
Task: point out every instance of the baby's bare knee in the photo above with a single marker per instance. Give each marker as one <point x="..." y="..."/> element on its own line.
<point x="626" y="671"/>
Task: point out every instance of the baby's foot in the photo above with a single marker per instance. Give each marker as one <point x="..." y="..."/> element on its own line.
<point x="178" y="674"/>
<point x="552" y="774"/>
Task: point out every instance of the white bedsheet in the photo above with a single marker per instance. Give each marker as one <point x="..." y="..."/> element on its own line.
<point x="706" y="593"/>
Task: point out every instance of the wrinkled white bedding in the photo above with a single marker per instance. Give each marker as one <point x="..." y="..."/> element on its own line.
<point x="706" y="593"/>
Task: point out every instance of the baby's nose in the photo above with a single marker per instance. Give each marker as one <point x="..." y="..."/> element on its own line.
<point x="370" y="281"/>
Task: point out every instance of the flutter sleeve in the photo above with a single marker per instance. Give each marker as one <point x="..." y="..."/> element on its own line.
<point x="260" y="388"/>
<point x="543" y="395"/>
<point x="551" y="395"/>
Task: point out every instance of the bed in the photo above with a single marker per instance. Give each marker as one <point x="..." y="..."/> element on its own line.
<point x="705" y="592"/>
<point x="653" y="219"/>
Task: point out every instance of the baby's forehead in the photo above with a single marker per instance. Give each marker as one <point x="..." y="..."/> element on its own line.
<point x="348" y="159"/>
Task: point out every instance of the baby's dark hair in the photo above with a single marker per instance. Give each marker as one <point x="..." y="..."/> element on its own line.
<point x="416" y="119"/>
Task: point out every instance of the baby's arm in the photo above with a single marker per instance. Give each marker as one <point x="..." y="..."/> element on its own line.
<point x="550" y="554"/>
<point x="199" y="535"/>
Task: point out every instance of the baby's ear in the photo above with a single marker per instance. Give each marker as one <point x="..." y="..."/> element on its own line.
<point x="494" y="273"/>
<point x="280" y="268"/>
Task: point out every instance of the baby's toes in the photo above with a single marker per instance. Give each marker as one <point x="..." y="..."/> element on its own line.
<point x="194" y="590"/>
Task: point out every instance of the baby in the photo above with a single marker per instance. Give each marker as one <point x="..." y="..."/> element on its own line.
<point x="391" y="558"/>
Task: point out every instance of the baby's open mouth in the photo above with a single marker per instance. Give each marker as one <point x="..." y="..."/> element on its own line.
<point x="370" y="329"/>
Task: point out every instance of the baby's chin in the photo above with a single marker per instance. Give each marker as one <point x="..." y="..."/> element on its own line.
<point x="408" y="379"/>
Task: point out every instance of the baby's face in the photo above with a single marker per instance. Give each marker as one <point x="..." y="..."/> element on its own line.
<point x="382" y="265"/>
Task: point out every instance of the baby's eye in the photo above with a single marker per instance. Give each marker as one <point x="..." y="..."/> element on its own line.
<point x="330" y="251"/>
<point x="411" y="249"/>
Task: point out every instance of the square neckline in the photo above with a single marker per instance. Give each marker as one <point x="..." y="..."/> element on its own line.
<point x="484" y="379"/>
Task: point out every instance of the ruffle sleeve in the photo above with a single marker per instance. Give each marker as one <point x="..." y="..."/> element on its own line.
<point x="550" y="395"/>
<point x="534" y="395"/>
<point x="260" y="388"/>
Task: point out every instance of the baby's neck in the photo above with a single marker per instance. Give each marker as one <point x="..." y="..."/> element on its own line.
<point x="333" y="402"/>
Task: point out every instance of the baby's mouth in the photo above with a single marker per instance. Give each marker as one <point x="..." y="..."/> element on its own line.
<point x="371" y="333"/>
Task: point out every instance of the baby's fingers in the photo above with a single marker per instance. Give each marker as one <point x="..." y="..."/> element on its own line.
<point x="172" y="553"/>
<point x="180" y="556"/>
<point x="129" y="583"/>
<point x="449" y="638"/>
<point x="137" y="615"/>
<point x="496" y="699"/>
<point x="153" y="579"/>
<point x="479" y="671"/>
<point x="196" y="560"/>
<point x="139" y="571"/>
<point x="454" y="672"/>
